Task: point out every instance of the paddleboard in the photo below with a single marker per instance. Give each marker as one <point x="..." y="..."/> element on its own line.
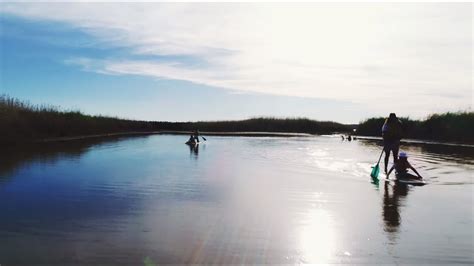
<point x="413" y="182"/>
<point x="402" y="180"/>
<point x="409" y="179"/>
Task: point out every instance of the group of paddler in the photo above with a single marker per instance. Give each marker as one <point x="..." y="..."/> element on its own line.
<point x="392" y="134"/>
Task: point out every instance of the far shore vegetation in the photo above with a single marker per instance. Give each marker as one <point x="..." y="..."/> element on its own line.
<point x="447" y="127"/>
<point x="21" y="121"/>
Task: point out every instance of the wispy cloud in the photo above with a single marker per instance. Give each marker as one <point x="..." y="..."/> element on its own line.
<point x="402" y="57"/>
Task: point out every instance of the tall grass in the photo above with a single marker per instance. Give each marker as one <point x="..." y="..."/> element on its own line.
<point x="456" y="127"/>
<point x="20" y="120"/>
<point x="262" y="124"/>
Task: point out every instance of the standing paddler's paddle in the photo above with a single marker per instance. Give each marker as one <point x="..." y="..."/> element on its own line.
<point x="376" y="168"/>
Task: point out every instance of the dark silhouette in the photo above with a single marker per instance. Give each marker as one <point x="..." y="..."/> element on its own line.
<point x="194" y="150"/>
<point x="264" y="124"/>
<point x="392" y="134"/>
<point x="191" y="140"/>
<point x="196" y="136"/>
<point x="401" y="167"/>
<point x="13" y="157"/>
<point x="393" y="194"/>
<point x="21" y="121"/>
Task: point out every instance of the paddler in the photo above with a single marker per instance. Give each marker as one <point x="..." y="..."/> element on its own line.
<point x="196" y="136"/>
<point x="391" y="134"/>
<point x="401" y="167"/>
<point x="191" y="139"/>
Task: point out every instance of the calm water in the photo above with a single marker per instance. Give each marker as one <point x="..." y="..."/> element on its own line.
<point x="233" y="200"/>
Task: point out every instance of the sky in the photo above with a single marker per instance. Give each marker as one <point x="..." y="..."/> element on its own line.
<point x="213" y="61"/>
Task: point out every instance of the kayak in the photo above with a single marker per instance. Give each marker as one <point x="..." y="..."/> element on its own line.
<point x="409" y="179"/>
<point x="192" y="143"/>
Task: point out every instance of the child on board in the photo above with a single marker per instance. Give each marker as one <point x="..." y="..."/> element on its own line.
<point x="401" y="167"/>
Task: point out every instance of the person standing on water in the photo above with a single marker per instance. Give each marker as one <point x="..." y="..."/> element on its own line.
<point x="391" y="134"/>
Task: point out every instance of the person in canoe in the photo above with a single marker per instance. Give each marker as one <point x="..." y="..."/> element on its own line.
<point x="391" y="134"/>
<point x="196" y="136"/>
<point x="401" y="167"/>
<point x="191" y="139"/>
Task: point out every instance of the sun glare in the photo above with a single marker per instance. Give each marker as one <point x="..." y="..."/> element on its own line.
<point x="317" y="237"/>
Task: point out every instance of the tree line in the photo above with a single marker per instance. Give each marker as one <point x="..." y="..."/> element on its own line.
<point x="20" y="121"/>
<point x="450" y="126"/>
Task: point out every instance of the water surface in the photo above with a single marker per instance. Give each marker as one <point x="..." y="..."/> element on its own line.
<point x="231" y="200"/>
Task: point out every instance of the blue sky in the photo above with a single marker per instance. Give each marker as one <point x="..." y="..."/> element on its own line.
<point x="188" y="62"/>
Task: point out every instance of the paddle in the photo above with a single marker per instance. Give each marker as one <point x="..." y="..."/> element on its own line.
<point x="376" y="169"/>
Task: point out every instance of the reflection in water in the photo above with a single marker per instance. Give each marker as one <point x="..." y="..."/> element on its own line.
<point x="458" y="154"/>
<point x="317" y="237"/>
<point x="14" y="157"/>
<point x="393" y="194"/>
<point x="193" y="150"/>
<point x="245" y="201"/>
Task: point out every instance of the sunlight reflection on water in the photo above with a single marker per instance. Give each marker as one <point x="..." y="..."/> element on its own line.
<point x="317" y="237"/>
<point x="231" y="201"/>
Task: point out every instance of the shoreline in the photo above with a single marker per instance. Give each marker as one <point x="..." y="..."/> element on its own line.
<point x="225" y="134"/>
<point x="168" y="132"/>
<point x="241" y="134"/>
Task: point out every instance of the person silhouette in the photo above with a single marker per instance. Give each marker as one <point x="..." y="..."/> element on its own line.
<point x="391" y="134"/>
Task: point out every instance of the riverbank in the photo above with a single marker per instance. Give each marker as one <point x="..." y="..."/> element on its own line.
<point x="238" y="134"/>
<point x="241" y="134"/>
<point x="230" y="134"/>
<point x="24" y="122"/>
<point x="447" y="127"/>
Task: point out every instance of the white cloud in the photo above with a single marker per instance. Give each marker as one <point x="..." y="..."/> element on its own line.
<point x="389" y="56"/>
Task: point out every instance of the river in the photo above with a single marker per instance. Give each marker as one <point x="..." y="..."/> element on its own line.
<point x="153" y="199"/>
